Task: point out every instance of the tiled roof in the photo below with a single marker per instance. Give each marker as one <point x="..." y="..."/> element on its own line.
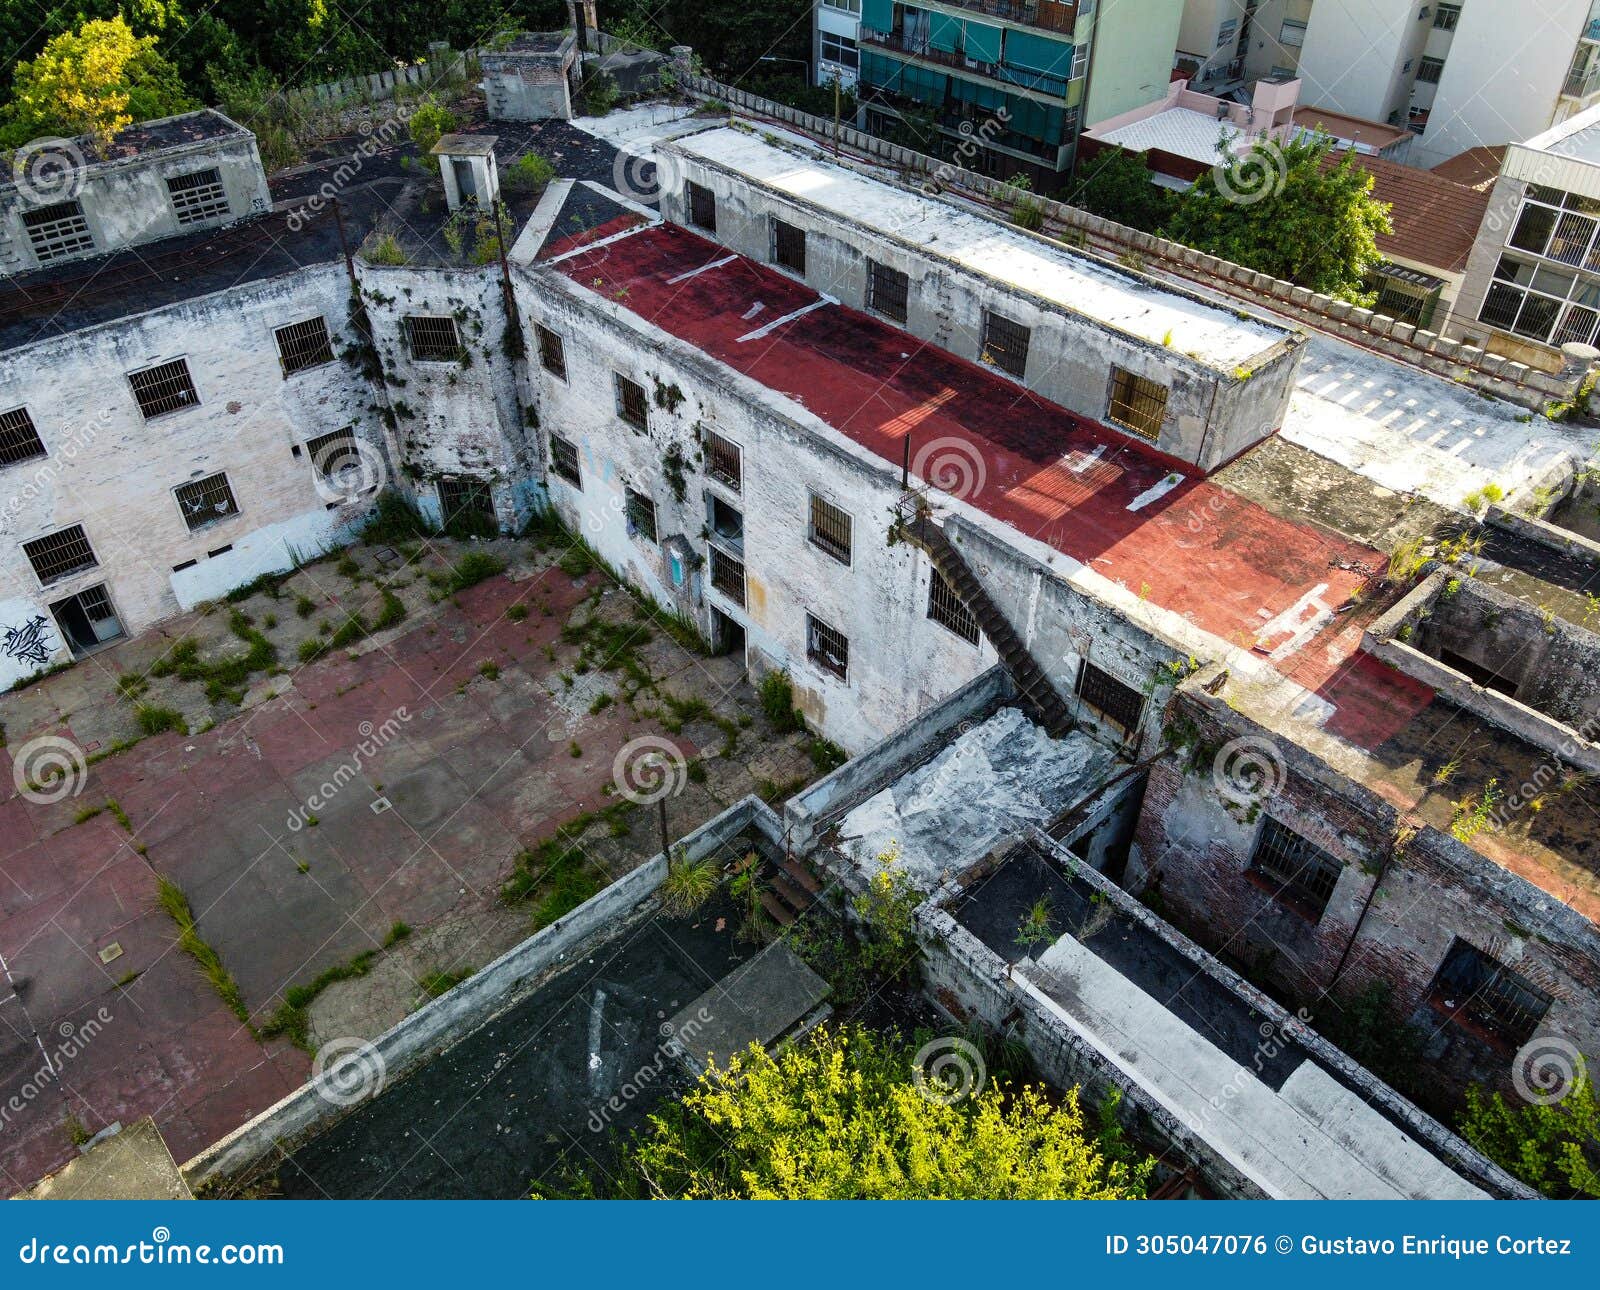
<point x="1476" y="167"/>
<point x="1435" y="220"/>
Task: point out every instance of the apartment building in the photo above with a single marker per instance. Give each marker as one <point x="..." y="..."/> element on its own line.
<point x="1226" y="43"/>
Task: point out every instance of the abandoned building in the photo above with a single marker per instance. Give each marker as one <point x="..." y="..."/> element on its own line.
<point x="1093" y="565"/>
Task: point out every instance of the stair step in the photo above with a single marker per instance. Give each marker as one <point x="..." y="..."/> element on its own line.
<point x="794" y="897"/>
<point x="780" y="912"/>
<point x="798" y="874"/>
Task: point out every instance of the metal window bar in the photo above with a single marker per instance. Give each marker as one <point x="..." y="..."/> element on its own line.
<point x="947" y="609"/>
<point x="830" y="529"/>
<point x="632" y="404"/>
<point x="205" y="501"/>
<point x="888" y="291"/>
<point x="727" y="575"/>
<point x="198" y="197"/>
<point x="164" y="388"/>
<point x="95" y="603"/>
<point x="641" y="513"/>
<point x="1136" y="404"/>
<point x="564" y="461"/>
<point x="303" y="344"/>
<point x="1117" y="702"/>
<point x="18" y="439"/>
<point x="60" y="555"/>
<point x="1297" y="865"/>
<point x="552" y="351"/>
<point x="1488" y="993"/>
<point x="702" y="207"/>
<point x="433" y="340"/>
<point x="1005" y="343"/>
<point x="58" y="230"/>
<point x="827" y="648"/>
<point x="724" y="461"/>
<point x="334" y="452"/>
<point x="789" y="246"/>
<point x="462" y="496"/>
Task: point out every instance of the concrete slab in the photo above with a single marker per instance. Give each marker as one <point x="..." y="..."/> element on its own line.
<point x="759" y="1002"/>
<point x="133" y="1164"/>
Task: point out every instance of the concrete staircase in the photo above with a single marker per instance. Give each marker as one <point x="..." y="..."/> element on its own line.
<point x="1039" y="697"/>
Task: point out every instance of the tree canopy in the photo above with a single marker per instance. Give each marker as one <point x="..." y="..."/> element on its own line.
<point x="1554" y="1147"/>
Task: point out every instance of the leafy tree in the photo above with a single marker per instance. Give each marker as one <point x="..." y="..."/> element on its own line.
<point x="94" y="80"/>
<point x="1278" y="209"/>
<point x="839" y="1116"/>
<point x="1116" y="185"/>
<point x="1554" y="1148"/>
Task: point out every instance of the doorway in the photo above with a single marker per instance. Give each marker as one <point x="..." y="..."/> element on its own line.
<point x="87" y="620"/>
<point x="727" y="634"/>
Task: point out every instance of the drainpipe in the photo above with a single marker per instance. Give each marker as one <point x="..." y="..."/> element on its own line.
<point x="1366" y="905"/>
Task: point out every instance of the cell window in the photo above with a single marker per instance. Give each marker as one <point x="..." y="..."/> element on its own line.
<point x="1005" y="343"/>
<point x="1302" y="873"/>
<point x="946" y="608"/>
<point x="552" y="351"/>
<point x="724" y="461"/>
<point x="303" y="345"/>
<point x="633" y="405"/>
<point x="60" y="555"/>
<point x="58" y="231"/>
<point x="564" y="461"/>
<point x="1136" y="404"/>
<point x="198" y="197"/>
<point x="829" y="529"/>
<point x="888" y="291"/>
<point x="165" y="388"/>
<point x="702" y="207"/>
<point x="206" y="501"/>
<point x="727" y="574"/>
<point x="19" y="441"/>
<point x="1115" y="700"/>
<point x="827" y="648"/>
<point x="789" y="246"/>
<point x="432" y="339"/>
<point x="1485" y="994"/>
<point x="641" y="513"/>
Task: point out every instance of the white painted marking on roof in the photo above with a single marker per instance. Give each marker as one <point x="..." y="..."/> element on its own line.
<point x="1160" y="489"/>
<point x="704" y="268"/>
<point x="776" y="323"/>
<point x="751" y="312"/>
<point x="596" y="1016"/>
<point x="595" y="246"/>
<point x="1303" y="619"/>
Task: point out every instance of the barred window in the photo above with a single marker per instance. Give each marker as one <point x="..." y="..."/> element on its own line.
<point x="1118" y="702"/>
<point x="1483" y="992"/>
<point x="641" y="512"/>
<point x="633" y="405"/>
<point x="552" y="351"/>
<point x="432" y="339"/>
<point x="888" y="291"/>
<point x="466" y="507"/>
<point x="57" y="231"/>
<point x="789" y="246"/>
<point x="702" y="207"/>
<point x="165" y="388"/>
<point x="727" y="574"/>
<point x="18" y="439"/>
<point x="827" y="648"/>
<point x="60" y="555"/>
<point x="333" y="453"/>
<point x="946" y="608"/>
<point x="1302" y="874"/>
<point x="724" y="461"/>
<point x="303" y="344"/>
<point x="829" y="530"/>
<point x="205" y="501"/>
<point x="198" y="197"/>
<point x="1136" y="404"/>
<point x="1005" y="343"/>
<point x="564" y="460"/>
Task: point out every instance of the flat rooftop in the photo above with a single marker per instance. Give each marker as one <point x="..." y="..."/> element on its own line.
<point x="180" y="131"/>
<point x="1578" y="137"/>
<point x="1350" y="129"/>
<point x="1181" y="131"/>
<point x="1216" y="337"/>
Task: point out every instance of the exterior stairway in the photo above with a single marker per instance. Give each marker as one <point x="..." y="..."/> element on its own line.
<point x="1039" y="697"/>
<point x="788" y="889"/>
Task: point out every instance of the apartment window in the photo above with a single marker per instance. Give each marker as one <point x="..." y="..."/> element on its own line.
<point x="1005" y="343"/>
<point x="165" y="388"/>
<point x="888" y="291"/>
<point x="60" y="555"/>
<point x="641" y="512"/>
<point x="1136" y="404"/>
<point x="198" y="197"/>
<point x="1446" y="16"/>
<point x="840" y="49"/>
<point x="432" y="340"/>
<point x="303" y="344"/>
<point x="564" y="460"/>
<point x="727" y="574"/>
<point x="59" y="230"/>
<point x="829" y="530"/>
<point x="1111" y="698"/>
<point x="19" y="441"/>
<point x="1292" y="33"/>
<point x="828" y="649"/>
<point x="1543" y="304"/>
<point x="205" y="501"/>
<point x="466" y="505"/>
<point x="552" y="351"/>
<point x="1483" y="992"/>
<point x="844" y="6"/>
<point x="1558" y="226"/>
<point x="789" y="246"/>
<point x="1301" y="874"/>
<point x="702" y="207"/>
<point x="1080" y="69"/>
<point x="1428" y="70"/>
<point x="724" y="461"/>
<point x="1227" y="32"/>
<point x="633" y="406"/>
<point x="947" y="609"/>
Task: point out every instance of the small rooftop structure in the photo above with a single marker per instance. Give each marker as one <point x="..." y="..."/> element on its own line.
<point x="1186" y="132"/>
<point x="532" y="78"/>
<point x="1370" y="138"/>
<point x="467" y="167"/>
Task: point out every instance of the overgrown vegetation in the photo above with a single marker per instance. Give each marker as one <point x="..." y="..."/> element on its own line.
<point x="176" y="904"/>
<point x="224" y="679"/>
<point x="1553" y="1147"/>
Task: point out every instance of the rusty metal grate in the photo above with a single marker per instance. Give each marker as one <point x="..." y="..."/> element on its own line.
<point x="564" y="460"/>
<point x="830" y="529"/>
<point x="58" y="230"/>
<point x="702" y="207"/>
<point x="334" y="452"/>
<point x="827" y="648"/>
<point x="1114" y="700"/>
<point x="463" y="500"/>
<point x="641" y="513"/>
<point x="1483" y="991"/>
<point x="888" y="291"/>
<point x="552" y="351"/>
<point x="727" y="575"/>
<point x="60" y="555"/>
<point x="1137" y="404"/>
<point x="947" y="609"/>
<point x="724" y="461"/>
<point x="205" y="501"/>
<point x="432" y="339"/>
<point x="1299" y="868"/>
<point x="164" y="388"/>
<point x="789" y="246"/>
<point x="198" y="197"/>
<point x="1005" y="343"/>
<point x="303" y="344"/>
<point x="18" y="439"/>
<point x="633" y="405"/>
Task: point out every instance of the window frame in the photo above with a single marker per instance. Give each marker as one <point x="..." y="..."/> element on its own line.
<point x="636" y="503"/>
<point x="877" y="271"/>
<point x="183" y="403"/>
<point x="68" y="574"/>
<point x="848" y="50"/>
<point x="713" y="471"/>
<point x="718" y="554"/>
<point x="59" y="231"/>
<point x="205" y="523"/>
<point x="815" y="655"/>
<point x="1094" y="682"/>
<point x="783" y="246"/>
<point x="412" y="324"/>
<point x="1443" y="11"/>
<point x="320" y="348"/>
<point x="555" y="363"/>
<point x="823" y="541"/>
<point x="627" y="389"/>
<point x="466" y="488"/>
<point x="999" y="350"/>
<point x="1462" y="959"/>
<point x="948" y="610"/>
<point x="702" y="203"/>
<point x="209" y="199"/>
<point x="560" y="446"/>
<point x="1430" y="69"/>
<point x="18" y="421"/>
<point x="1125" y="391"/>
<point x="1306" y="888"/>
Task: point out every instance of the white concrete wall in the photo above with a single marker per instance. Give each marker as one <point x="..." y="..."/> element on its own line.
<point x="1351" y="61"/>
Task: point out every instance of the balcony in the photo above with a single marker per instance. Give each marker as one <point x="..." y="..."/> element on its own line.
<point x="1045" y="14"/>
<point x="1039" y="82"/>
<point x="1580" y="85"/>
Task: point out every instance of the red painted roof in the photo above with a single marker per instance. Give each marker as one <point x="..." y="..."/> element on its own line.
<point x="1220" y="560"/>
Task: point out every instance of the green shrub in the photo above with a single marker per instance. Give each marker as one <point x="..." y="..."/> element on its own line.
<point x="474" y="567"/>
<point x="529" y="173"/>
<point x="776" y="692"/>
<point x="154" y="720"/>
